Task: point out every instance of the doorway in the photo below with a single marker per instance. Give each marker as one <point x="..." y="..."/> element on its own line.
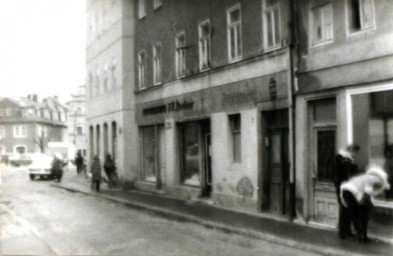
<point x="195" y="150"/>
<point x="276" y="175"/>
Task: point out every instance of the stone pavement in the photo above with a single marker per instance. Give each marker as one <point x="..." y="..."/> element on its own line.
<point x="302" y="237"/>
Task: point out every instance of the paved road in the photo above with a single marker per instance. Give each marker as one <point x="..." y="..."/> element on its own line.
<point x="39" y="219"/>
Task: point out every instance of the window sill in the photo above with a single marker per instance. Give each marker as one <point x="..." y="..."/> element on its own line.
<point x="360" y="32"/>
<point x="230" y="61"/>
<point x="320" y="44"/>
<point x="273" y="48"/>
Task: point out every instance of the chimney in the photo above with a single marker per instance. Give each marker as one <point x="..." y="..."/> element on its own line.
<point x="29" y="96"/>
<point x="56" y="98"/>
<point x="35" y="97"/>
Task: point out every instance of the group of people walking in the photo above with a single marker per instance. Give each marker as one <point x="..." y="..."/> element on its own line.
<point x="355" y="192"/>
<point x="96" y="170"/>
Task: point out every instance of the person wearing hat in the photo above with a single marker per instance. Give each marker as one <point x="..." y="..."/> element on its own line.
<point x="345" y="169"/>
<point x="96" y="171"/>
<point x="357" y="197"/>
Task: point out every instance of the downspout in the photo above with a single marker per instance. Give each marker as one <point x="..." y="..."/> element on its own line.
<point x="292" y="109"/>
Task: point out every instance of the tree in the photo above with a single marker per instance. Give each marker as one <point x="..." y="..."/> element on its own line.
<point x="40" y="140"/>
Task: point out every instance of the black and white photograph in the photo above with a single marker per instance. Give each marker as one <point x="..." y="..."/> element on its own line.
<point x="196" y="127"/>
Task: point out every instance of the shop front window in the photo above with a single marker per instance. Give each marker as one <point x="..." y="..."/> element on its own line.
<point x="149" y="173"/>
<point x="373" y="131"/>
<point x="191" y="154"/>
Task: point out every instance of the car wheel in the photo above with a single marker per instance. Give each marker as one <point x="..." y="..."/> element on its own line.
<point x="32" y="176"/>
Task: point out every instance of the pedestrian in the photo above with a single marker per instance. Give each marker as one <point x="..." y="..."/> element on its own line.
<point x="345" y="169"/>
<point x="79" y="162"/>
<point x="357" y="197"/>
<point x="96" y="173"/>
<point x="389" y="170"/>
<point x="109" y="168"/>
<point x="57" y="167"/>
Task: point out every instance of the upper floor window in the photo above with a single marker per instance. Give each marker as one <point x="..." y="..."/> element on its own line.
<point x="141" y="8"/>
<point x="157" y="3"/>
<point x="204" y="45"/>
<point x="20" y="131"/>
<point x="141" y="69"/>
<point x="97" y="85"/>
<point x="234" y="33"/>
<point x="157" y="64"/>
<point x="360" y="15"/>
<point x="20" y="149"/>
<point x="105" y="77"/>
<point x="2" y="131"/>
<point x="2" y="112"/>
<point x="272" y="35"/>
<point x="322" y="24"/>
<point x="180" y="55"/>
<point x="8" y="111"/>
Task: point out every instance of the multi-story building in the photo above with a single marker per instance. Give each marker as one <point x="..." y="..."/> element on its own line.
<point x="77" y="120"/>
<point x="211" y="89"/>
<point x="110" y="97"/>
<point x="345" y="80"/>
<point x="27" y="125"/>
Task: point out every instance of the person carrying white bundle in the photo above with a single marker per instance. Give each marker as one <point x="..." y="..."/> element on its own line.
<point x="357" y="195"/>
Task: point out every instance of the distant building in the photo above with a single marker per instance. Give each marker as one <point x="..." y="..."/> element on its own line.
<point x="110" y="78"/>
<point x="27" y="125"/>
<point x="77" y="120"/>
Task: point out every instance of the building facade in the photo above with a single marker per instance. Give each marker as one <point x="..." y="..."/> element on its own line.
<point x="211" y="101"/>
<point x="345" y="80"/>
<point x="110" y="76"/>
<point x="77" y="128"/>
<point x="27" y="125"/>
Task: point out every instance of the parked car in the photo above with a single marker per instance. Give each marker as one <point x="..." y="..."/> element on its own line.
<point x="40" y="166"/>
<point x="18" y="160"/>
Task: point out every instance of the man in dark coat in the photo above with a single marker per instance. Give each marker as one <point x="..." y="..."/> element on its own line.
<point x="109" y="168"/>
<point x="79" y="162"/>
<point x="344" y="170"/>
<point x="96" y="172"/>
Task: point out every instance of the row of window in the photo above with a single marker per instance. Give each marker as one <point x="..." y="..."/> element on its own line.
<point x="234" y="39"/>
<point x="100" y="21"/>
<point x="18" y="149"/>
<point x="360" y="17"/>
<point x="142" y="7"/>
<point x="103" y="80"/>
<point x="19" y="131"/>
<point x="5" y="111"/>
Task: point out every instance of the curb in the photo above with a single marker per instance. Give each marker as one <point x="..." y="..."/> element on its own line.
<point x="223" y="227"/>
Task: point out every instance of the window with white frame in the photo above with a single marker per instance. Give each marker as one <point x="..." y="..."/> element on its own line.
<point x="2" y="132"/>
<point x="141" y="8"/>
<point x="360" y="15"/>
<point x="157" y="64"/>
<point x="157" y="3"/>
<point x="234" y="33"/>
<point x="97" y="85"/>
<point x="142" y="69"/>
<point x="105" y="77"/>
<point x="20" y="131"/>
<point x="180" y="55"/>
<point x="204" y="45"/>
<point x="322" y="24"/>
<point x="2" y="112"/>
<point x="272" y="29"/>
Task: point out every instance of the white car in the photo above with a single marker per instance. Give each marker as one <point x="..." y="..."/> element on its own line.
<point x="40" y="166"/>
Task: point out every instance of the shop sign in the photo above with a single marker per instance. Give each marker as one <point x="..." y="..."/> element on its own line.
<point x="173" y="106"/>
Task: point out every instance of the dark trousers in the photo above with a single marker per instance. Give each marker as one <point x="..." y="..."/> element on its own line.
<point x="79" y="169"/>
<point x="358" y="214"/>
<point x="95" y="185"/>
<point x="344" y="220"/>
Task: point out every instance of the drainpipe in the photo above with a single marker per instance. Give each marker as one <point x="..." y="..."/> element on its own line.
<point x="292" y="109"/>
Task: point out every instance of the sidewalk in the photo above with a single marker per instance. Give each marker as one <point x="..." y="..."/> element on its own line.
<point x="302" y="237"/>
